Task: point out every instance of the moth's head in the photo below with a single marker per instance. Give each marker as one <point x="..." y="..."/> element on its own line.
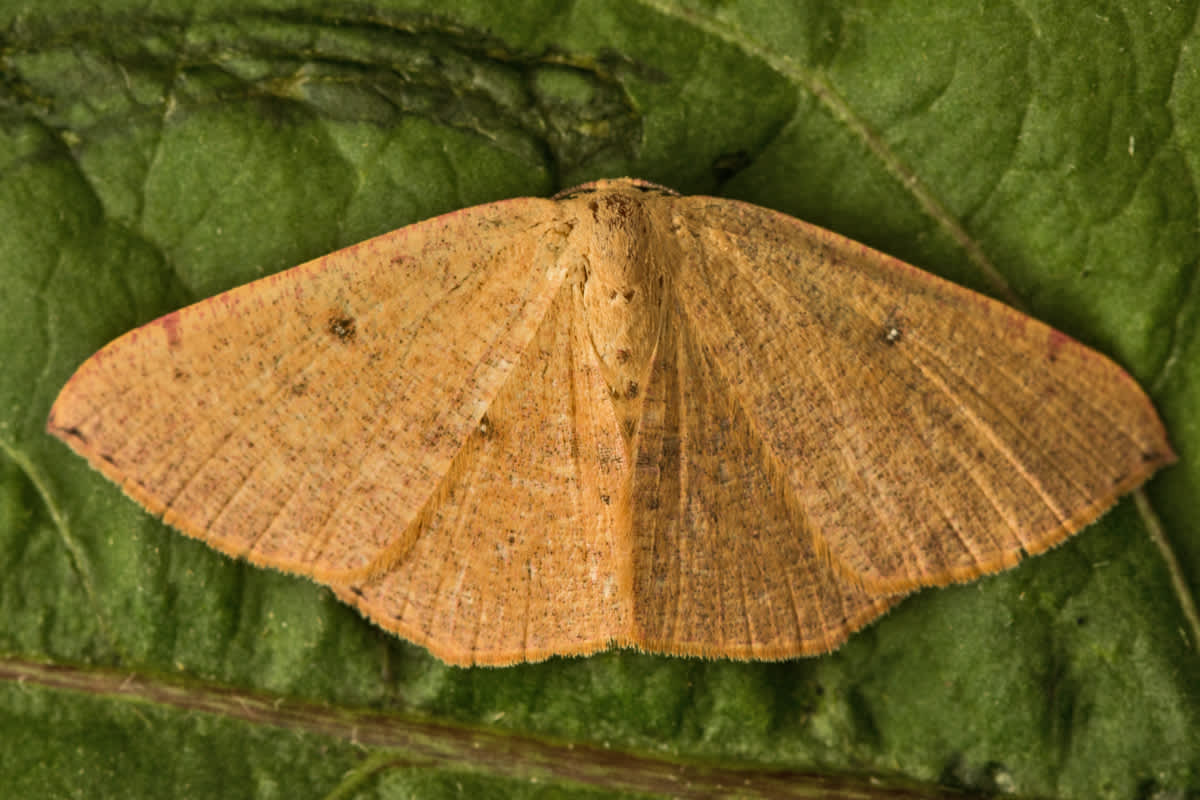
<point x="621" y="241"/>
<point x="614" y="225"/>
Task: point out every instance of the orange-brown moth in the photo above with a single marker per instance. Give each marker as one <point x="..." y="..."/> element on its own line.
<point x="684" y="424"/>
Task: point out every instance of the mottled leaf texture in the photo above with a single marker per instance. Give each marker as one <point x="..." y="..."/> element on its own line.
<point x="684" y="424"/>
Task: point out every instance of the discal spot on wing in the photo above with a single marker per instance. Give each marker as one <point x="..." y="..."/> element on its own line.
<point x="342" y="328"/>
<point x="621" y="416"/>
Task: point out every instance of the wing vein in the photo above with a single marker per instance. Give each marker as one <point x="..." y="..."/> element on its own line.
<point x="684" y="471"/>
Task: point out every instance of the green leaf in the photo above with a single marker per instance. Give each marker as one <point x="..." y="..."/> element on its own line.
<point x="1046" y="154"/>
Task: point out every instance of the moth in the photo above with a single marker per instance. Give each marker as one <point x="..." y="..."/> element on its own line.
<point x="619" y="416"/>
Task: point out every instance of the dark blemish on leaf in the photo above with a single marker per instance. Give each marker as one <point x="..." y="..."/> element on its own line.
<point x="629" y="295"/>
<point x="357" y="591"/>
<point x="623" y="356"/>
<point x="180" y="375"/>
<point x="299" y="388"/>
<point x="512" y="539"/>
<point x="485" y="427"/>
<point x="108" y="458"/>
<point x="343" y="328"/>
<point x="605" y="499"/>
<point x="726" y="165"/>
<point x="631" y="391"/>
<point x="1081" y="621"/>
<point x="1150" y="455"/>
<point x="630" y="427"/>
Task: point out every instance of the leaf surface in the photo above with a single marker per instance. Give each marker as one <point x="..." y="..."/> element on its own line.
<point x="1046" y="155"/>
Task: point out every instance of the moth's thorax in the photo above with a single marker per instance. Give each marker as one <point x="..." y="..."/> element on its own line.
<point x="618" y="239"/>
